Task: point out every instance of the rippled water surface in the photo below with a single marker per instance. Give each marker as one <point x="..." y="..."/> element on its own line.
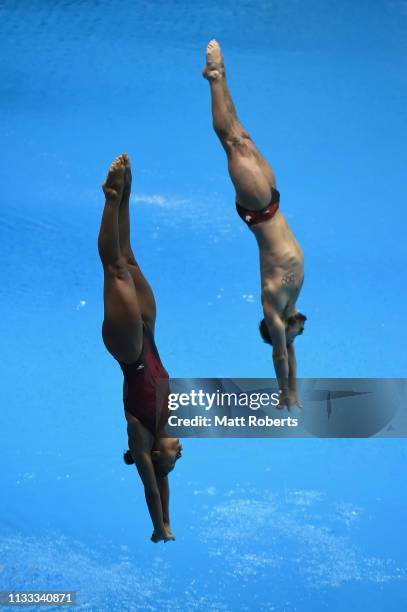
<point x="261" y="524"/>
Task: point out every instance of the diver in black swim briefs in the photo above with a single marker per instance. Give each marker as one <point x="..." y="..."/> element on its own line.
<point x="128" y="334"/>
<point x="257" y="203"/>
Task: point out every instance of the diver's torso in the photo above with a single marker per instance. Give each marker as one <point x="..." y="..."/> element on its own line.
<point x="281" y="257"/>
<point x="146" y="386"/>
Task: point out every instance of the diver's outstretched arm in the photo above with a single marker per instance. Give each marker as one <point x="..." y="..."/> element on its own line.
<point x="292" y="376"/>
<point x="146" y="472"/>
<point x="140" y="442"/>
<point x="164" y="488"/>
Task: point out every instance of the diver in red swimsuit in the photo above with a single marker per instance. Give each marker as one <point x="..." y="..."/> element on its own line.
<point x="128" y="334"/>
<point x="257" y="203"/>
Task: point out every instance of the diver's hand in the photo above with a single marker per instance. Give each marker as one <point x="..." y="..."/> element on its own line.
<point x="162" y="536"/>
<point x="168" y="531"/>
<point x="294" y="400"/>
<point x="284" y="400"/>
<point x="158" y="536"/>
<point x="289" y="398"/>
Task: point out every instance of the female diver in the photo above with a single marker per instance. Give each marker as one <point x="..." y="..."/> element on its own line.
<point x="128" y="334"/>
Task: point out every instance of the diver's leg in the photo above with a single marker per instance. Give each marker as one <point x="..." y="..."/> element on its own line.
<point x="144" y="292"/>
<point x="122" y="324"/>
<point x="124" y="217"/>
<point x="251" y="174"/>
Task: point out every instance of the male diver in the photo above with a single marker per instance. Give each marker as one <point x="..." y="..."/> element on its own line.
<point x="128" y="334"/>
<point x="257" y="203"/>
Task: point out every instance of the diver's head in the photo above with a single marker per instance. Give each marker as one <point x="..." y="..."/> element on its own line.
<point x="165" y="454"/>
<point x="294" y="327"/>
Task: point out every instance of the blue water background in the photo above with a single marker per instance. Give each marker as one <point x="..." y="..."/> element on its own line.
<point x="261" y="525"/>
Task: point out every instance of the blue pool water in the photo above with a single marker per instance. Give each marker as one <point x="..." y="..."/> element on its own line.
<point x="284" y="525"/>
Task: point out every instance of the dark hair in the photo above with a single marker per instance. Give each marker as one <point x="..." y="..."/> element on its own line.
<point x="297" y="317"/>
<point x="127" y="458"/>
<point x="265" y="334"/>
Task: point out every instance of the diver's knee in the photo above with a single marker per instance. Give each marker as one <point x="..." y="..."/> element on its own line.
<point x="128" y="255"/>
<point x="222" y="131"/>
<point x="117" y="268"/>
<point x="239" y="142"/>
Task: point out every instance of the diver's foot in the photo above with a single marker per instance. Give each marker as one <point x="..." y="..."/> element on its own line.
<point x="214" y="68"/>
<point x="127" y="179"/>
<point x="114" y="184"/>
